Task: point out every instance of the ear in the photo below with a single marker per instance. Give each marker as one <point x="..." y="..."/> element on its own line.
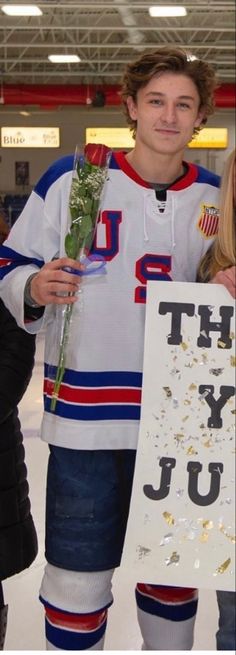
<point x="200" y="117"/>
<point x="132" y="108"/>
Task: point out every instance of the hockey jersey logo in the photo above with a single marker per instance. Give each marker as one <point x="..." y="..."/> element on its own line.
<point x="208" y="221"/>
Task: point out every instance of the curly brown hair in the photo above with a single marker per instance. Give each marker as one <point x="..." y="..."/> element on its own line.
<point x="176" y="60"/>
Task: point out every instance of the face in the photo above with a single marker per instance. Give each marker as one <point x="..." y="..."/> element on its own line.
<point x="166" y="111"/>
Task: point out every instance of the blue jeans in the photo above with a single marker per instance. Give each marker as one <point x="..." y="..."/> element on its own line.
<point x="88" y="497"/>
<point x="225" y="636"/>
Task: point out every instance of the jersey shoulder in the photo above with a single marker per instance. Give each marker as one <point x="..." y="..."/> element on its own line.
<point x="53" y="173"/>
<point x="207" y="177"/>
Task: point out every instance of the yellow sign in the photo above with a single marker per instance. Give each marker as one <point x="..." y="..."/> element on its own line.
<point x="210" y="137"/>
<point x="113" y="137"/>
<point x="30" y="137"/>
<point x="121" y="137"/>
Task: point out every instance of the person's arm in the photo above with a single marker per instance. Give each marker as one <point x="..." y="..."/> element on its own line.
<point x="17" y="349"/>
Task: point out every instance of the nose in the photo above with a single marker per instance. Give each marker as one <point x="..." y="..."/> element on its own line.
<point x="169" y="114"/>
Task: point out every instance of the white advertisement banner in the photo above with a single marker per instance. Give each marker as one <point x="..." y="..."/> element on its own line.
<point x="30" y="137"/>
<point x="181" y="525"/>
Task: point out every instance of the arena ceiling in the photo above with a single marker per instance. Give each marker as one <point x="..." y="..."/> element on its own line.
<point x="106" y="35"/>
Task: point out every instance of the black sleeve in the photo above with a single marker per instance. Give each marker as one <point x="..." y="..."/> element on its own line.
<point x="17" y="350"/>
<point x="33" y="313"/>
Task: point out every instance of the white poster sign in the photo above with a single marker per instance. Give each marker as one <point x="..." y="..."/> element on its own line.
<point x="181" y="524"/>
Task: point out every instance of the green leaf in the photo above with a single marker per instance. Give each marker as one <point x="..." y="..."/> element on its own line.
<point x="74" y="213"/>
<point x="82" y="190"/>
<point x="85" y="226"/>
<point x="88" y="205"/>
<point x="71" y="246"/>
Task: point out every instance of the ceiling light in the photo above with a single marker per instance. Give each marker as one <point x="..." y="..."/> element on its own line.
<point x="21" y="10"/>
<point x="162" y="11"/>
<point x="60" y="59"/>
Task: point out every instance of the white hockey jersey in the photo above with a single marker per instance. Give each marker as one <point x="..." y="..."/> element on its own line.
<point x="100" y="397"/>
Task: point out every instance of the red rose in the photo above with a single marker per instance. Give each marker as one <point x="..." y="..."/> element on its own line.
<point x="96" y="154"/>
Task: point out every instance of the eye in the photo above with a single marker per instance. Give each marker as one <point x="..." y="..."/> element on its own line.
<point x="156" y="101"/>
<point x="183" y="105"/>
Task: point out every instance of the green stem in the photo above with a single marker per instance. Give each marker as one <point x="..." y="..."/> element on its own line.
<point x="62" y="357"/>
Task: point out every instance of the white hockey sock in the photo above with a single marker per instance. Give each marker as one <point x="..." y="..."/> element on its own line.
<point x="76" y="607"/>
<point x="166" y="616"/>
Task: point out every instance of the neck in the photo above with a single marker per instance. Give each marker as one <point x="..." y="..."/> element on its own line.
<point x="156" y="167"/>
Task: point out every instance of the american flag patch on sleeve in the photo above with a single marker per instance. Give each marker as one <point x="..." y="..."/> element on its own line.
<point x="208" y="221"/>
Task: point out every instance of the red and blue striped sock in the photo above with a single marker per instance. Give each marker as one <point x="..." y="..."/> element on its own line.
<point x="166" y="616"/>
<point x="76" y="605"/>
<point x="71" y="631"/>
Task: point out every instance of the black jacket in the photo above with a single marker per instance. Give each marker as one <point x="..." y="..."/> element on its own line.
<point x="18" y="540"/>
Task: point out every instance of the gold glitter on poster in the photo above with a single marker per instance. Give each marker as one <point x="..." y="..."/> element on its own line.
<point x="233" y="360"/>
<point x="179" y="436"/>
<point x="204" y="537"/>
<point x="208" y="443"/>
<point x="191" y="451"/>
<point x="169" y="518"/>
<point x="232" y="538"/>
<point x="184" y="345"/>
<point x="207" y="525"/>
<point x="223" y="567"/>
<point x="173" y="559"/>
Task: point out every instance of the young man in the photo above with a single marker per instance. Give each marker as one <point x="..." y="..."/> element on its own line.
<point x="157" y="218"/>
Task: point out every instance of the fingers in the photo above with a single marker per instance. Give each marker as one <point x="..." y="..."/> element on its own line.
<point x="64" y="261"/>
<point x="228" y="279"/>
<point x="54" y="285"/>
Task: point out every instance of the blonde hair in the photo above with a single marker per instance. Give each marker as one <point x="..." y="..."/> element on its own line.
<point x="223" y="251"/>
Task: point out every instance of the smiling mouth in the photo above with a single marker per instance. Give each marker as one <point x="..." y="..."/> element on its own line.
<point x="165" y="131"/>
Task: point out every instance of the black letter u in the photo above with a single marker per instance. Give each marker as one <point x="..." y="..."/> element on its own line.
<point x="194" y="468"/>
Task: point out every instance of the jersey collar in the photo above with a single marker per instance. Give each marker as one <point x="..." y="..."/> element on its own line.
<point x="182" y="183"/>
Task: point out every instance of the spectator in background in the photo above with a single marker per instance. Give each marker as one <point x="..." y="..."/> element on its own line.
<point x="218" y="266"/>
<point x="18" y="540"/>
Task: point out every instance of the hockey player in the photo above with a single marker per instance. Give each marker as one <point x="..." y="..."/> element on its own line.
<point x="158" y="218"/>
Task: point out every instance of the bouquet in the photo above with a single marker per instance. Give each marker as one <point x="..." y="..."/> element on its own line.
<point x="89" y="176"/>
